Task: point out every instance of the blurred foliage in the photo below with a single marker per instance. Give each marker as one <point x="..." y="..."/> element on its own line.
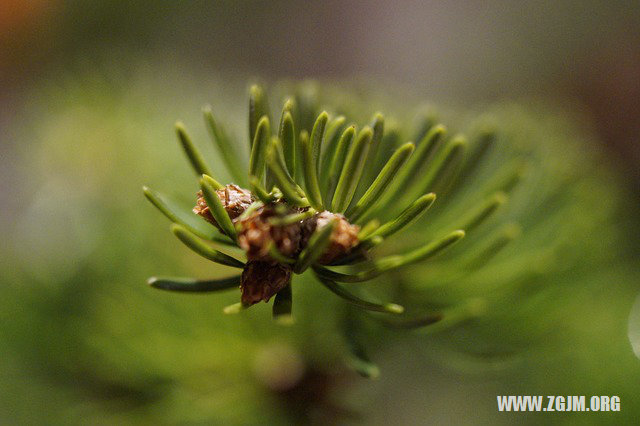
<point x="85" y="341"/>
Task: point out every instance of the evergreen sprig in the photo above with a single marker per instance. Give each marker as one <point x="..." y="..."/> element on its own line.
<point x="362" y="177"/>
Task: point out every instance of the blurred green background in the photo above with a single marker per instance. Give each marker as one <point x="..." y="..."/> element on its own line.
<point x="90" y="91"/>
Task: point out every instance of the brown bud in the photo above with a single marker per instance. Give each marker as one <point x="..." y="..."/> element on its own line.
<point x="263" y="276"/>
<point x="262" y="280"/>
<point x="343" y="238"/>
<point x="256" y="234"/>
<point x="234" y="199"/>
